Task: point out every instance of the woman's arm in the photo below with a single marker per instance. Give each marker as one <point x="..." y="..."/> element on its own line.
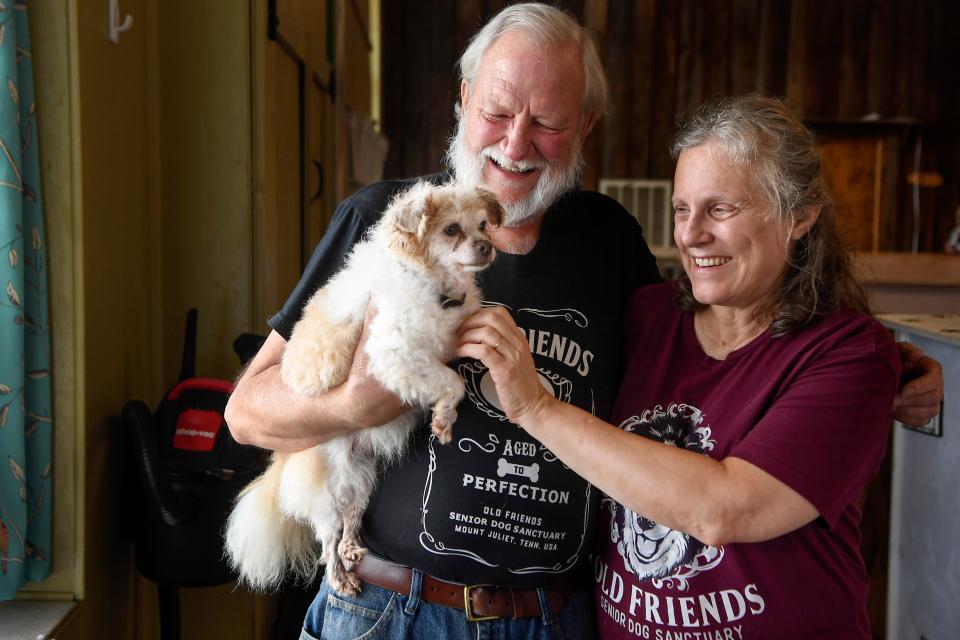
<point x="717" y="502"/>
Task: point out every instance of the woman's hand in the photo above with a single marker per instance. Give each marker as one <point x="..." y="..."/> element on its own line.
<point x="491" y="336"/>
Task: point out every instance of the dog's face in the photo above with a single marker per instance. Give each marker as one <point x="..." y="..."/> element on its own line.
<point x="445" y="226"/>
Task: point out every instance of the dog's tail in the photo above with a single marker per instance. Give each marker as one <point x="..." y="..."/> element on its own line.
<point x="264" y="545"/>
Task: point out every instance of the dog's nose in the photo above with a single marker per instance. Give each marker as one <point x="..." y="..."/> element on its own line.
<point x="484" y="247"/>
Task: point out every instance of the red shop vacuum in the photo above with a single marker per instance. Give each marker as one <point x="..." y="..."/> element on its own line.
<point x="188" y="472"/>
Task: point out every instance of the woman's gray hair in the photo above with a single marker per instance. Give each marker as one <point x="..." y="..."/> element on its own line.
<point x="763" y="134"/>
<point x="545" y="27"/>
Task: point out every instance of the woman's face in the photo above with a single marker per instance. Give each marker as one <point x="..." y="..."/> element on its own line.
<point x="733" y="251"/>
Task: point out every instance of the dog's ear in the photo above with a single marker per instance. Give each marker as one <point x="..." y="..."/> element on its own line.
<point x="408" y="214"/>
<point x="494" y="210"/>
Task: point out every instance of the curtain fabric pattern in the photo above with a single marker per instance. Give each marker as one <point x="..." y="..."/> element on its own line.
<point x="26" y="426"/>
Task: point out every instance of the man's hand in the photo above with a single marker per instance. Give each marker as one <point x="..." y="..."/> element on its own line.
<point x="264" y="412"/>
<point x="918" y="399"/>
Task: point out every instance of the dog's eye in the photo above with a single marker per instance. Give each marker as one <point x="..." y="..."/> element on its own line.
<point x="483" y="225"/>
<point x="452" y="230"/>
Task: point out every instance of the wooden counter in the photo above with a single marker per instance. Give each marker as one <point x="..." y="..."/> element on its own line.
<point x="926" y="269"/>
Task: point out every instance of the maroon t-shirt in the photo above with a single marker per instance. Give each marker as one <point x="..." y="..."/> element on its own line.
<point x="811" y="409"/>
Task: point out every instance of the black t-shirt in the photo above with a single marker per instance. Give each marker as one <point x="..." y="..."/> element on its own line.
<point x="494" y="506"/>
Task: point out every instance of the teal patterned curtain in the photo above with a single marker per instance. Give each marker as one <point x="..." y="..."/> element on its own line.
<point x="26" y="428"/>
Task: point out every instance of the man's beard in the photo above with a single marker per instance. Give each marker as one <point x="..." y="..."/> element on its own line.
<point x="554" y="181"/>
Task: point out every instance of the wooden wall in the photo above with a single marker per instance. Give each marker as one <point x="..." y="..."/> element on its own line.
<point x="833" y="61"/>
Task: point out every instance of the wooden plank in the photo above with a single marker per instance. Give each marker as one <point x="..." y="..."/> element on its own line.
<point x="291" y="28"/>
<point x="465" y="26"/>
<point x="440" y="88"/>
<point x="821" y="38"/>
<point x="595" y="20"/>
<point x="849" y="171"/>
<point x="278" y="250"/>
<point x="320" y="161"/>
<point x="854" y="61"/>
<point x="689" y="68"/>
<point x="429" y="71"/>
<point x="744" y="55"/>
<point x="946" y="129"/>
<point x="595" y="17"/>
<point x="714" y="18"/>
<point x="613" y="162"/>
<point x="395" y="68"/>
<point x="797" y="57"/>
<point x="938" y="72"/>
<point x="881" y="58"/>
<point x="908" y="44"/>
<point x="928" y="269"/>
<point x="664" y="106"/>
<point x="636" y="116"/>
<point x="894" y="226"/>
<point x="773" y="47"/>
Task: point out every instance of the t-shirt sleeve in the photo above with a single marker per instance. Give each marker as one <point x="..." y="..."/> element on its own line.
<point x="346" y="228"/>
<point x="826" y="433"/>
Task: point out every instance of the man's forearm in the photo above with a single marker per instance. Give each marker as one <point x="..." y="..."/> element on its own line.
<point x="262" y="411"/>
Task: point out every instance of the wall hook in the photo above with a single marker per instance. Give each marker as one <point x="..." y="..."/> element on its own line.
<point x="114" y="26"/>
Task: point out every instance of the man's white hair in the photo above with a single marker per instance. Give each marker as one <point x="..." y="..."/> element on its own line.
<point x="545" y="27"/>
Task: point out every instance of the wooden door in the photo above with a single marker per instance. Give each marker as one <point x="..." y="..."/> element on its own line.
<point x="298" y="148"/>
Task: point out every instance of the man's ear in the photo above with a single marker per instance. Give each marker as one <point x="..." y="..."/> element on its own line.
<point x="464" y="96"/>
<point x="803" y="225"/>
<point x="589" y="119"/>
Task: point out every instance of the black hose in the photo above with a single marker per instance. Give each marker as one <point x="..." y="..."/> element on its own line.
<point x="139" y="420"/>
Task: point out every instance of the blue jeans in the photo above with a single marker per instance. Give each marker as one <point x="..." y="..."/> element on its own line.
<point x="381" y="614"/>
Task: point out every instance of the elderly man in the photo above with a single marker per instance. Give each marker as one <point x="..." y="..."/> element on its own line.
<point x="494" y="507"/>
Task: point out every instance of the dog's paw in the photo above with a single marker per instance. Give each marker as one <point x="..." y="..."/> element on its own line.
<point x="351" y="585"/>
<point x="351" y="550"/>
<point x="442" y="423"/>
<point x="444" y="435"/>
<point x="346" y="583"/>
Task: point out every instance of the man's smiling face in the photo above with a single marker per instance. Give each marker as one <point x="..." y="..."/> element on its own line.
<point x="521" y="126"/>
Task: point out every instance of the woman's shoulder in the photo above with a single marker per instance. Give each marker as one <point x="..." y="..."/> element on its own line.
<point x="848" y="332"/>
<point x="854" y="325"/>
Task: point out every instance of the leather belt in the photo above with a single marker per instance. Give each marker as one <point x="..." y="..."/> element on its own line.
<point x="478" y="602"/>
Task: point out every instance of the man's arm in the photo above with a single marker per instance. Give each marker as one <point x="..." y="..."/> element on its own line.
<point x="263" y="411"/>
<point x="918" y="399"/>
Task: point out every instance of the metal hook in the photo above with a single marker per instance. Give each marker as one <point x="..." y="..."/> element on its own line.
<point x="114" y="27"/>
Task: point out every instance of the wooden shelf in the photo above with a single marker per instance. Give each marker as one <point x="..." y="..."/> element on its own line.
<point x="922" y="269"/>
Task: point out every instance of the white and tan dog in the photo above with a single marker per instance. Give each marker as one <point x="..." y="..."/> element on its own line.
<point x="416" y="266"/>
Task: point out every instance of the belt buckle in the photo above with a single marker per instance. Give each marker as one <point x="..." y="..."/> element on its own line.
<point x="468" y="609"/>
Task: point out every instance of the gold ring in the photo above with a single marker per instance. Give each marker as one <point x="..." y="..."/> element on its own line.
<point x="499" y="340"/>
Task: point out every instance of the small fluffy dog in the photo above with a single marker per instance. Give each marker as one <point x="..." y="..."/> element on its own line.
<point x="416" y="266"/>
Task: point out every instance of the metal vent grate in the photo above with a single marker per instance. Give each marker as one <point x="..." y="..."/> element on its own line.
<point x="649" y="202"/>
